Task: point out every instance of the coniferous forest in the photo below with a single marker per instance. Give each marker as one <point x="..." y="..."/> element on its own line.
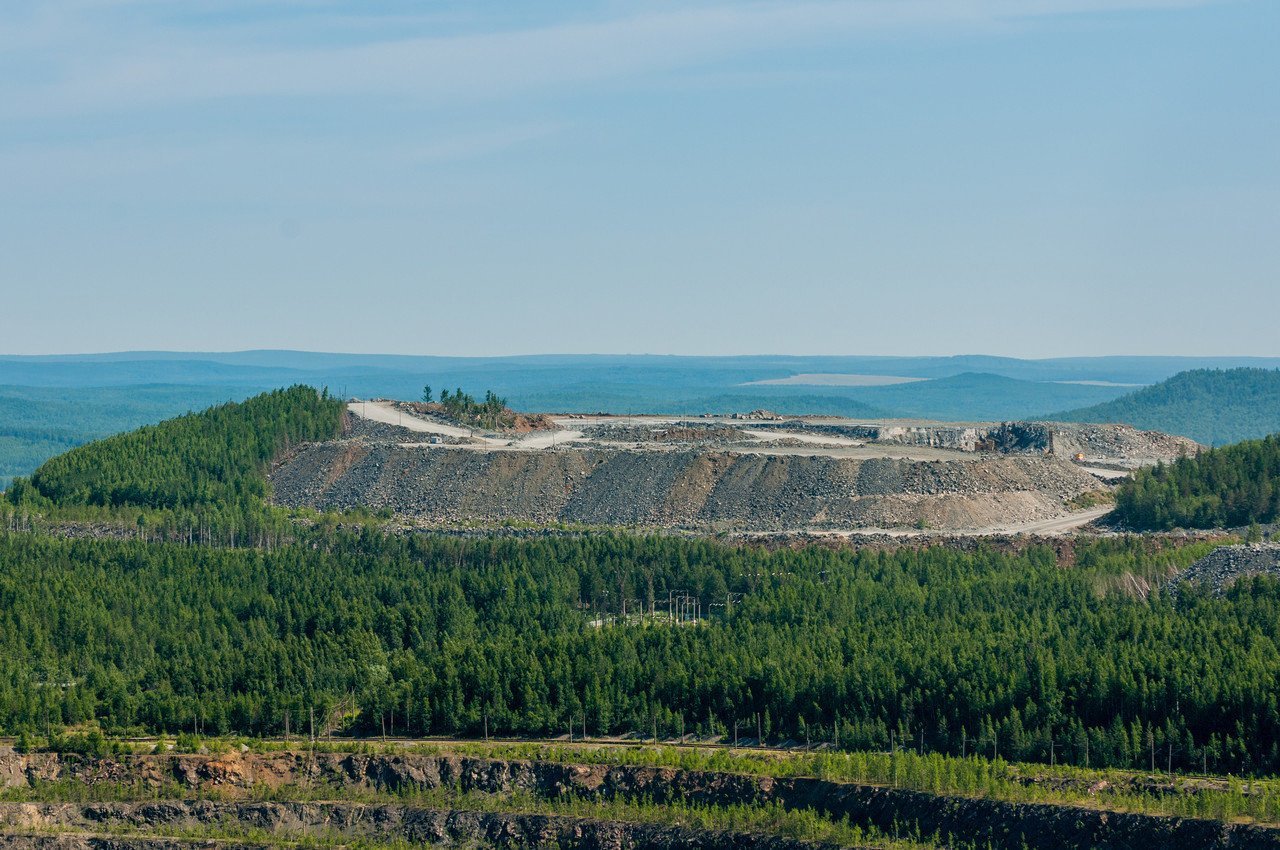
<point x="940" y="648"/>
<point x="209" y="458"/>
<point x="1229" y="487"/>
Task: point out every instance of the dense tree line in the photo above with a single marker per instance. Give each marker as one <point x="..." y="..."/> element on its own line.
<point x="1229" y="487"/>
<point x="1211" y="406"/>
<point x="213" y="458"/>
<point x="936" y="649"/>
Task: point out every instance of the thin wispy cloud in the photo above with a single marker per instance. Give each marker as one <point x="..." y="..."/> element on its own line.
<point x="104" y="55"/>
<point x="762" y="169"/>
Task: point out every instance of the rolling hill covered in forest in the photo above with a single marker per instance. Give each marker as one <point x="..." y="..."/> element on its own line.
<point x="1211" y="406"/>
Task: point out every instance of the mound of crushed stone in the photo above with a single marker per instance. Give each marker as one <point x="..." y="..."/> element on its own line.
<point x="706" y="489"/>
<point x="682" y="432"/>
<point x="1223" y="566"/>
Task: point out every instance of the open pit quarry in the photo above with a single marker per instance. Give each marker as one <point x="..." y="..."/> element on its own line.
<point x="749" y="473"/>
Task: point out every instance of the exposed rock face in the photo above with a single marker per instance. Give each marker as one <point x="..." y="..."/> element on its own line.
<point x="1120" y="445"/>
<point x="66" y="841"/>
<point x="1223" y="566"/>
<point x="349" y="822"/>
<point x="686" y="489"/>
<point x="1003" y="825"/>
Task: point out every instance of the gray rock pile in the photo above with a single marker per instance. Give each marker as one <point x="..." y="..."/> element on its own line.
<point x="1223" y="566"/>
<point x="689" y="488"/>
<point x="684" y="433"/>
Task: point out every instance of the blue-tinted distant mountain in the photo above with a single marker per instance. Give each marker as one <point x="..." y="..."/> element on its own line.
<point x="979" y="397"/>
<point x="1210" y="406"/>
<point x="722" y="371"/>
<point x="107" y="373"/>
<point x="49" y="403"/>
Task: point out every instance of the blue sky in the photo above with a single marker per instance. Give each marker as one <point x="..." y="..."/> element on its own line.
<point x="1020" y="177"/>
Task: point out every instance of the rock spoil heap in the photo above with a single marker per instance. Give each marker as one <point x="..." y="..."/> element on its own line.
<point x="682" y="432"/>
<point x="695" y="489"/>
<point x="1223" y="566"/>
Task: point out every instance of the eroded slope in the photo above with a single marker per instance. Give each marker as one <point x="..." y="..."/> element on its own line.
<point x="697" y="489"/>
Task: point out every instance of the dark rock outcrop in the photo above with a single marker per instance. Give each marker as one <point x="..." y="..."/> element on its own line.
<point x="117" y="826"/>
<point x="1036" y="826"/>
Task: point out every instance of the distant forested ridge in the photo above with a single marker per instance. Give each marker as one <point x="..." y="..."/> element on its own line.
<point x="49" y="404"/>
<point x="1211" y="406"/>
<point x="217" y="457"/>
<point x="1232" y="486"/>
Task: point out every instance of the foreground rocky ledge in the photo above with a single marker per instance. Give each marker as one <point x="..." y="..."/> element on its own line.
<point x="103" y="825"/>
<point x="1038" y="826"/>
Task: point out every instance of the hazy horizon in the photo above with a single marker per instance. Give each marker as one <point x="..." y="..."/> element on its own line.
<point x="146" y="353"/>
